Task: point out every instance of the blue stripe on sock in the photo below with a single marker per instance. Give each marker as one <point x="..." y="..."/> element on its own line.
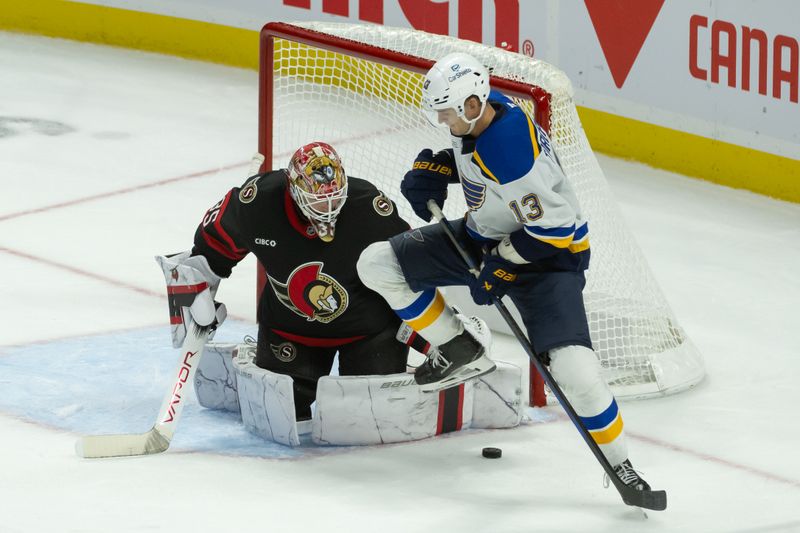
<point x="418" y="306"/>
<point x="603" y="419"/>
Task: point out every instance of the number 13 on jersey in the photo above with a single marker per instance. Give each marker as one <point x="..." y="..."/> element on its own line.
<point x="531" y="206"/>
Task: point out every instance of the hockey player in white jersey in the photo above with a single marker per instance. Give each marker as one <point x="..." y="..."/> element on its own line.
<point x="525" y="226"/>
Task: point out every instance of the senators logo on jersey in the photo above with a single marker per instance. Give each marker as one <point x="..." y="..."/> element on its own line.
<point x="311" y="294"/>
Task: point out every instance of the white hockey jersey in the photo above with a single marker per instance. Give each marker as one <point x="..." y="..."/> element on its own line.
<point x="515" y="187"/>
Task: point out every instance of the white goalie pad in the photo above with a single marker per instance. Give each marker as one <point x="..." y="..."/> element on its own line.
<point x="498" y="398"/>
<point x="364" y="410"/>
<point x="355" y="410"/>
<point x="215" y="380"/>
<point x="266" y="401"/>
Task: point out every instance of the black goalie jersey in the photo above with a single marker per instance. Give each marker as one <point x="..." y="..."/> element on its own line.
<point x="312" y="293"/>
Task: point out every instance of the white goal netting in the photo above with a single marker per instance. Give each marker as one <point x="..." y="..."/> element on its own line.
<point x="364" y="101"/>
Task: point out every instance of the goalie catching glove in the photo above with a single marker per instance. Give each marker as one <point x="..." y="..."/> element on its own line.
<point x="428" y="180"/>
<point x="191" y="286"/>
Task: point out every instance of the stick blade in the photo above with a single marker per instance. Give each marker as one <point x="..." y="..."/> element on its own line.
<point x="96" y="446"/>
<point x="655" y="500"/>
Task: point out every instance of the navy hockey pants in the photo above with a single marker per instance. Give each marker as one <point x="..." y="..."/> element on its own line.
<point x="550" y="303"/>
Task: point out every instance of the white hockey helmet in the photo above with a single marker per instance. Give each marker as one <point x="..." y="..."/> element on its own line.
<point x="318" y="185"/>
<point x="450" y="82"/>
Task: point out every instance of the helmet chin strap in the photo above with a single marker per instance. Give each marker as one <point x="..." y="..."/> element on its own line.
<point x="471" y="126"/>
<point x="474" y="120"/>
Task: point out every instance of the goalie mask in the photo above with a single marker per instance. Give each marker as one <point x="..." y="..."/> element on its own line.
<point x="318" y="186"/>
<point x="449" y="84"/>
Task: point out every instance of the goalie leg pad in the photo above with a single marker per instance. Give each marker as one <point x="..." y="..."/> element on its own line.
<point x="215" y="380"/>
<point x="266" y="400"/>
<point x="498" y="398"/>
<point x="362" y="410"/>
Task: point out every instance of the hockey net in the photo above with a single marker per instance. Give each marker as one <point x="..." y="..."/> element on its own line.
<point x="358" y="87"/>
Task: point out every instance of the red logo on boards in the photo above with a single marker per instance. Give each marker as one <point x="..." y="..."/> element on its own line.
<point x="739" y="52"/>
<point x="433" y="16"/>
<point x="622" y="28"/>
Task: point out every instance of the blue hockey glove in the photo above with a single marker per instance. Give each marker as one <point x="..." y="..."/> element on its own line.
<point x="495" y="278"/>
<point x="427" y="180"/>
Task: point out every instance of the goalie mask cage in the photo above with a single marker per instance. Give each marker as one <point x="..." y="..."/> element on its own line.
<point x="358" y="87"/>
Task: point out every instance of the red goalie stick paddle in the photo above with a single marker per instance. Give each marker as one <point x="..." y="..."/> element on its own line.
<point x="647" y="499"/>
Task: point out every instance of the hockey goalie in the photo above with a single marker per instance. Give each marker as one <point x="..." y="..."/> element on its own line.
<point x="308" y="224"/>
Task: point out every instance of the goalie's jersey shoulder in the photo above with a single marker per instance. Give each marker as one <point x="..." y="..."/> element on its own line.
<point x="260" y="190"/>
<point x="507" y="150"/>
<point x="370" y="212"/>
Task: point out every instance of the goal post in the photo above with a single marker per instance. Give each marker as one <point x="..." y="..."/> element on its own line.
<point x="358" y="87"/>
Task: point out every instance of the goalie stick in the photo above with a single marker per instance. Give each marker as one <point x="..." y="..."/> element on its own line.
<point x="158" y="438"/>
<point x="655" y="500"/>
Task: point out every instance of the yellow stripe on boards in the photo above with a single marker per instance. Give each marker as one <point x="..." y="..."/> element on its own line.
<point x="693" y="155"/>
<point x="430" y="315"/>
<point x="610" y="433"/>
<point x="132" y="29"/>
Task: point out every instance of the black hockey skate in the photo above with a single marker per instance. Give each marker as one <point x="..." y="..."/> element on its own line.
<point x="461" y="358"/>
<point x="629" y="476"/>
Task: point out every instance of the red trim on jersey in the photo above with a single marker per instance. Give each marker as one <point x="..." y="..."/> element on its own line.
<point x="294" y="219"/>
<point x="187" y="289"/>
<point x="316" y="342"/>
<point x="219" y="247"/>
<point x="221" y="231"/>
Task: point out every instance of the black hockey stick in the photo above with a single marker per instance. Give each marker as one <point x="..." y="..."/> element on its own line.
<point x="647" y="499"/>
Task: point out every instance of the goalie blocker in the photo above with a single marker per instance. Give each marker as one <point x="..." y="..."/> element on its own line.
<point x="353" y="410"/>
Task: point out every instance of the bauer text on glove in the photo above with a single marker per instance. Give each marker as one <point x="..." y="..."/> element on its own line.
<point x="428" y="180"/>
<point x="496" y="276"/>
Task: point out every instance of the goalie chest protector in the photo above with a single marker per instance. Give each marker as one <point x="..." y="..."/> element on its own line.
<point x="312" y="287"/>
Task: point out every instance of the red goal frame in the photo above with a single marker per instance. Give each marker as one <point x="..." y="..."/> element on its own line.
<point x="280" y="30"/>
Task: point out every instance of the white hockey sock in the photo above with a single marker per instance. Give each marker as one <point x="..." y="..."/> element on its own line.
<point x="426" y="312"/>
<point x="577" y="371"/>
<point x="430" y="316"/>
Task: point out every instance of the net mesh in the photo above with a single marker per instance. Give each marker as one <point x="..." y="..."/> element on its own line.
<point x="370" y="112"/>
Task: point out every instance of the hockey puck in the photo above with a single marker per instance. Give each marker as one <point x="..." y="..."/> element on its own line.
<point x="492" y="453"/>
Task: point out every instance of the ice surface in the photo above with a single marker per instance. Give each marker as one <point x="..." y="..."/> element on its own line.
<point x="109" y="157"/>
